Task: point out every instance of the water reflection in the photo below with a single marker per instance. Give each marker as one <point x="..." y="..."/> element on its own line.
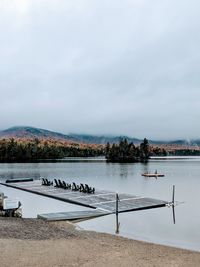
<point x="125" y="170"/>
<point x="117" y="224"/>
<point x="145" y="168"/>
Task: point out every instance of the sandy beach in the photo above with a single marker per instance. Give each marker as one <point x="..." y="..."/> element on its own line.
<point x="32" y="242"/>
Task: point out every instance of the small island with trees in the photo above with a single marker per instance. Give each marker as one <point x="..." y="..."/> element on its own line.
<point x="127" y="152"/>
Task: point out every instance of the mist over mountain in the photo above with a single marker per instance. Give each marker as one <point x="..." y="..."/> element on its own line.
<point x="32" y="132"/>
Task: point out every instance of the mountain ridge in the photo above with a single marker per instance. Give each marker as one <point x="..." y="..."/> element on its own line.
<point x="33" y="132"/>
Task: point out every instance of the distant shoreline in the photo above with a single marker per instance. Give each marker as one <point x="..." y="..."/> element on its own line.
<point x="95" y="159"/>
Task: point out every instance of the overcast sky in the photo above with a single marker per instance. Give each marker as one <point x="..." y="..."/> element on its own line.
<point x="128" y="67"/>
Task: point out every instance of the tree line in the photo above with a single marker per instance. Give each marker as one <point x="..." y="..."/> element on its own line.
<point x="36" y="149"/>
<point x="16" y="150"/>
<point x="185" y="152"/>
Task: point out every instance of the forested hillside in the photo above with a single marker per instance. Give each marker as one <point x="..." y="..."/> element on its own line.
<point x="30" y="150"/>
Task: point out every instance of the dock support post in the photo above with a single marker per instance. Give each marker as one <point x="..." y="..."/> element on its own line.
<point x="173" y="194"/>
<point x="116" y="212"/>
<point x="173" y="210"/>
<point x="117" y="200"/>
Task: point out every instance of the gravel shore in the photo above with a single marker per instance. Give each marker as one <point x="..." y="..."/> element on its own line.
<point x="33" y="242"/>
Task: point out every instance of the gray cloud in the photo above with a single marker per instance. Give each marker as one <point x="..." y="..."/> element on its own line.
<point x="113" y="67"/>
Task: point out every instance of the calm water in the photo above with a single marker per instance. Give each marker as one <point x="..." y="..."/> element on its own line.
<point x="151" y="225"/>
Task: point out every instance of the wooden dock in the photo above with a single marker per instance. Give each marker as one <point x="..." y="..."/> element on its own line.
<point x="102" y="200"/>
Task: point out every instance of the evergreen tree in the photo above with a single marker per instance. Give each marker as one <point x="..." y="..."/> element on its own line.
<point x="127" y="152"/>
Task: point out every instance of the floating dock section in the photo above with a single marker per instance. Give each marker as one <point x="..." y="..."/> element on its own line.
<point x="73" y="215"/>
<point x="153" y="175"/>
<point x="101" y="200"/>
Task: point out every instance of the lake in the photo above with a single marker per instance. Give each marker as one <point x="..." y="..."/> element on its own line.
<point x="154" y="225"/>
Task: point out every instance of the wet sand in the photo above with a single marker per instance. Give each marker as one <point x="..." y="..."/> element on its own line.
<point x="32" y="242"/>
